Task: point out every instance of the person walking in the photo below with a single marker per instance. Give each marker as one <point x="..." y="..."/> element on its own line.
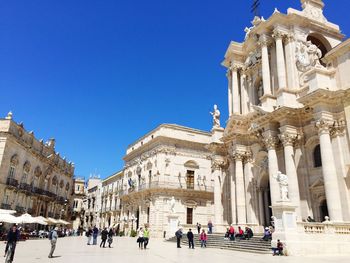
<point x="94" y="235"/>
<point x="110" y="237"/>
<point x="12" y="239"/>
<point x="104" y="235"/>
<point x="210" y="227"/>
<point x="203" y="238"/>
<point x="146" y="237"/>
<point x="89" y="235"/>
<point x="53" y="236"/>
<point x="178" y="235"/>
<point x="199" y="226"/>
<point x="140" y="238"/>
<point x="190" y="239"/>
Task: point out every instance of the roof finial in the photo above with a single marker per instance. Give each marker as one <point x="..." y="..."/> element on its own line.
<point x="9" y="116"/>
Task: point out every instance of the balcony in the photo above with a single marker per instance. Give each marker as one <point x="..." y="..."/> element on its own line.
<point x="26" y="187"/>
<point x="50" y="214"/>
<point x="174" y="185"/>
<point x="37" y="190"/>
<point x="30" y="211"/>
<point x="12" y="182"/>
<point x="6" y="206"/>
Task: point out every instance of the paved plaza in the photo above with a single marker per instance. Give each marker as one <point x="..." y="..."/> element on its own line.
<point x="74" y="249"/>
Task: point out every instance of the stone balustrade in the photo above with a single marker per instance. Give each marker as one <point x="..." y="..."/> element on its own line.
<point x="324" y="228"/>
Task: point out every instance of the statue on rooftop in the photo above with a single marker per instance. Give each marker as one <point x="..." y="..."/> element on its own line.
<point x="216" y="117"/>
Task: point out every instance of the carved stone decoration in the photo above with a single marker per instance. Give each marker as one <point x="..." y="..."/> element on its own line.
<point x="282" y="180"/>
<point x="338" y="128"/>
<point x="37" y="171"/>
<point x="14" y="160"/>
<point x="323" y="126"/>
<point x="307" y="56"/>
<point x="216" y="117"/>
<point x="26" y="167"/>
<point x="61" y="184"/>
<point x="253" y="58"/>
<point x="288" y="139"/>
<point x="271" y="142"/>
<point x="67" y="186"/>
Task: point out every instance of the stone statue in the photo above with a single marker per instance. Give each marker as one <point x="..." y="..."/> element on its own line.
<point x="282" y="180"/>
<point x="314" y="53"/>
<point x="216" y="117"/>
<point x="172" y="204"/>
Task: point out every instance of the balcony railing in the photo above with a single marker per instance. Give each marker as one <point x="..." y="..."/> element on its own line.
<point x="169" y="185"/>
<point x="50" y="214"/>
<point x="12" y="182"/>
<point x="25" y="187"/>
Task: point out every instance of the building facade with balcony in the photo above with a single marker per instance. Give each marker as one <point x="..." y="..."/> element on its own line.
<point x="34" y="178"/>
<point x="92" y="203"/>
<point x="77" y="203"/>
<point x="168" y="180"/>
<point x="110" y="200"/>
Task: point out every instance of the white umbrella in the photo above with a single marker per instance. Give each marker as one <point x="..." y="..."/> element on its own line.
<point x="26" y="219"/>
<point x="5" y="211"/>
<point x="40" y="220"/>
<point x="7" y="218"/>
<point x="51" y="221"/>
<point x="62" y="222"/>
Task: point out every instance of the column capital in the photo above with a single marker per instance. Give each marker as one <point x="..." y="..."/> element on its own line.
<point x="338" y="128"/>
<point x="234" y="68"/>
<point x="323" y="125"/>
<point x="217" y="164"/>
<point x="238" y="156"/>
<point x="277" y="34"/>
<point x="264" y="41"/>
<point x="288" y="139"/>
<point x="270" y="141"/>
<point x="289" y="37"/>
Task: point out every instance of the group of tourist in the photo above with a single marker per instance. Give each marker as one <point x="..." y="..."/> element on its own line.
<point x="203" y="237"/>
<point x="209" y="225"/>
<point x="232" y="234"/>
<point x="143" y="237"/>
<point x="106" y="236"/>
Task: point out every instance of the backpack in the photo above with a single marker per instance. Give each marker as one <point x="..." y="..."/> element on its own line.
<point x="50" y="235"/>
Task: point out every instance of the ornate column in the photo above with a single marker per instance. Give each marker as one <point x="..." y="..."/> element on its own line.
<point x="265" y="65"/>
<point x="281" y="65"/>
<point x="292" y="74"/>
<point x="233" y="190"/>
<point x="329" y="171"/>
<point x="240" y="189"/>
<point x="288" y="141"/>
<point x="216" y="174"/>
<point x="236" y="108"/>
<point x="230" y="102"/>
<point x="271" y="142"/>
<point x="248" y="187"/>
<point x="244" y="93"/>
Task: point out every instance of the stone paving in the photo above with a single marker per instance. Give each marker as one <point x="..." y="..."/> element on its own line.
<point x="74" y="249"/>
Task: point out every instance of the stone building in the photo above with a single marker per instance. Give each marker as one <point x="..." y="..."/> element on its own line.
<point x="34" y="177"/>
<point x="167" y="180"/>
<point x="92" y="202"/>
<point x="110" y="200"/>
<point x="286" y="141"/>
<point x="77" y="203"/>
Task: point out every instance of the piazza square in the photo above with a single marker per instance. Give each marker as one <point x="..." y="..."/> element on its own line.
<point x="272" y="177"/>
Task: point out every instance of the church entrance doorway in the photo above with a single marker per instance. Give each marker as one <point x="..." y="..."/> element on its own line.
<point x="265" y="211"/>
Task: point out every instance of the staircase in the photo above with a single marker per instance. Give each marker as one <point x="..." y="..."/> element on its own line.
<point x="253" y="245"/>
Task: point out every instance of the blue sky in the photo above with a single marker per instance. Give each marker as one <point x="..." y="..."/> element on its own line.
<point x="97" y="75"/>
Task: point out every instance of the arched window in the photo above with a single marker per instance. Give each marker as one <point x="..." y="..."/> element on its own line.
<point x="317" y="157"/>
<point x="13" y="165"/>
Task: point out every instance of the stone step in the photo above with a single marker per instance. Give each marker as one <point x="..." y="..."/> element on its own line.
<point x="253" y="245"/>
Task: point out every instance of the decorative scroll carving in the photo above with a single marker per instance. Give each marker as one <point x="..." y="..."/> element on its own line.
<point x="307" y="56"/>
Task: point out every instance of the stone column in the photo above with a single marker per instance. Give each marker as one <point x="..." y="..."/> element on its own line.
<point x="288" y="140"/>
<point x="281" y="65"/>
<point x="218" y="208"/>
<point x="236" y="108"/>
<point x="230" y="102"/>
<point x="261" y="206"/>
<point x="244" y="93"/>
<point x="248" y="187"/>
<point x="292" y="73"/>
<point x="265" y="65"/>
<point x="266" y="206"/>
<point x="271" y="141"/>
<point x="233" y="191"/>
<point x="240" y="189"/>
<point x="329" y="171"/>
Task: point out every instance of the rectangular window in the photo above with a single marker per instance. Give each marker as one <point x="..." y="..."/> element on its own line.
<point x="189" y="216"/>
<point x="12" y="172"/>
<point x="190" y="179"/>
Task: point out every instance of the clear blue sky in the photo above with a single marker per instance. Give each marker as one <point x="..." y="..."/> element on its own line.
<point x="97" y="75"/>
